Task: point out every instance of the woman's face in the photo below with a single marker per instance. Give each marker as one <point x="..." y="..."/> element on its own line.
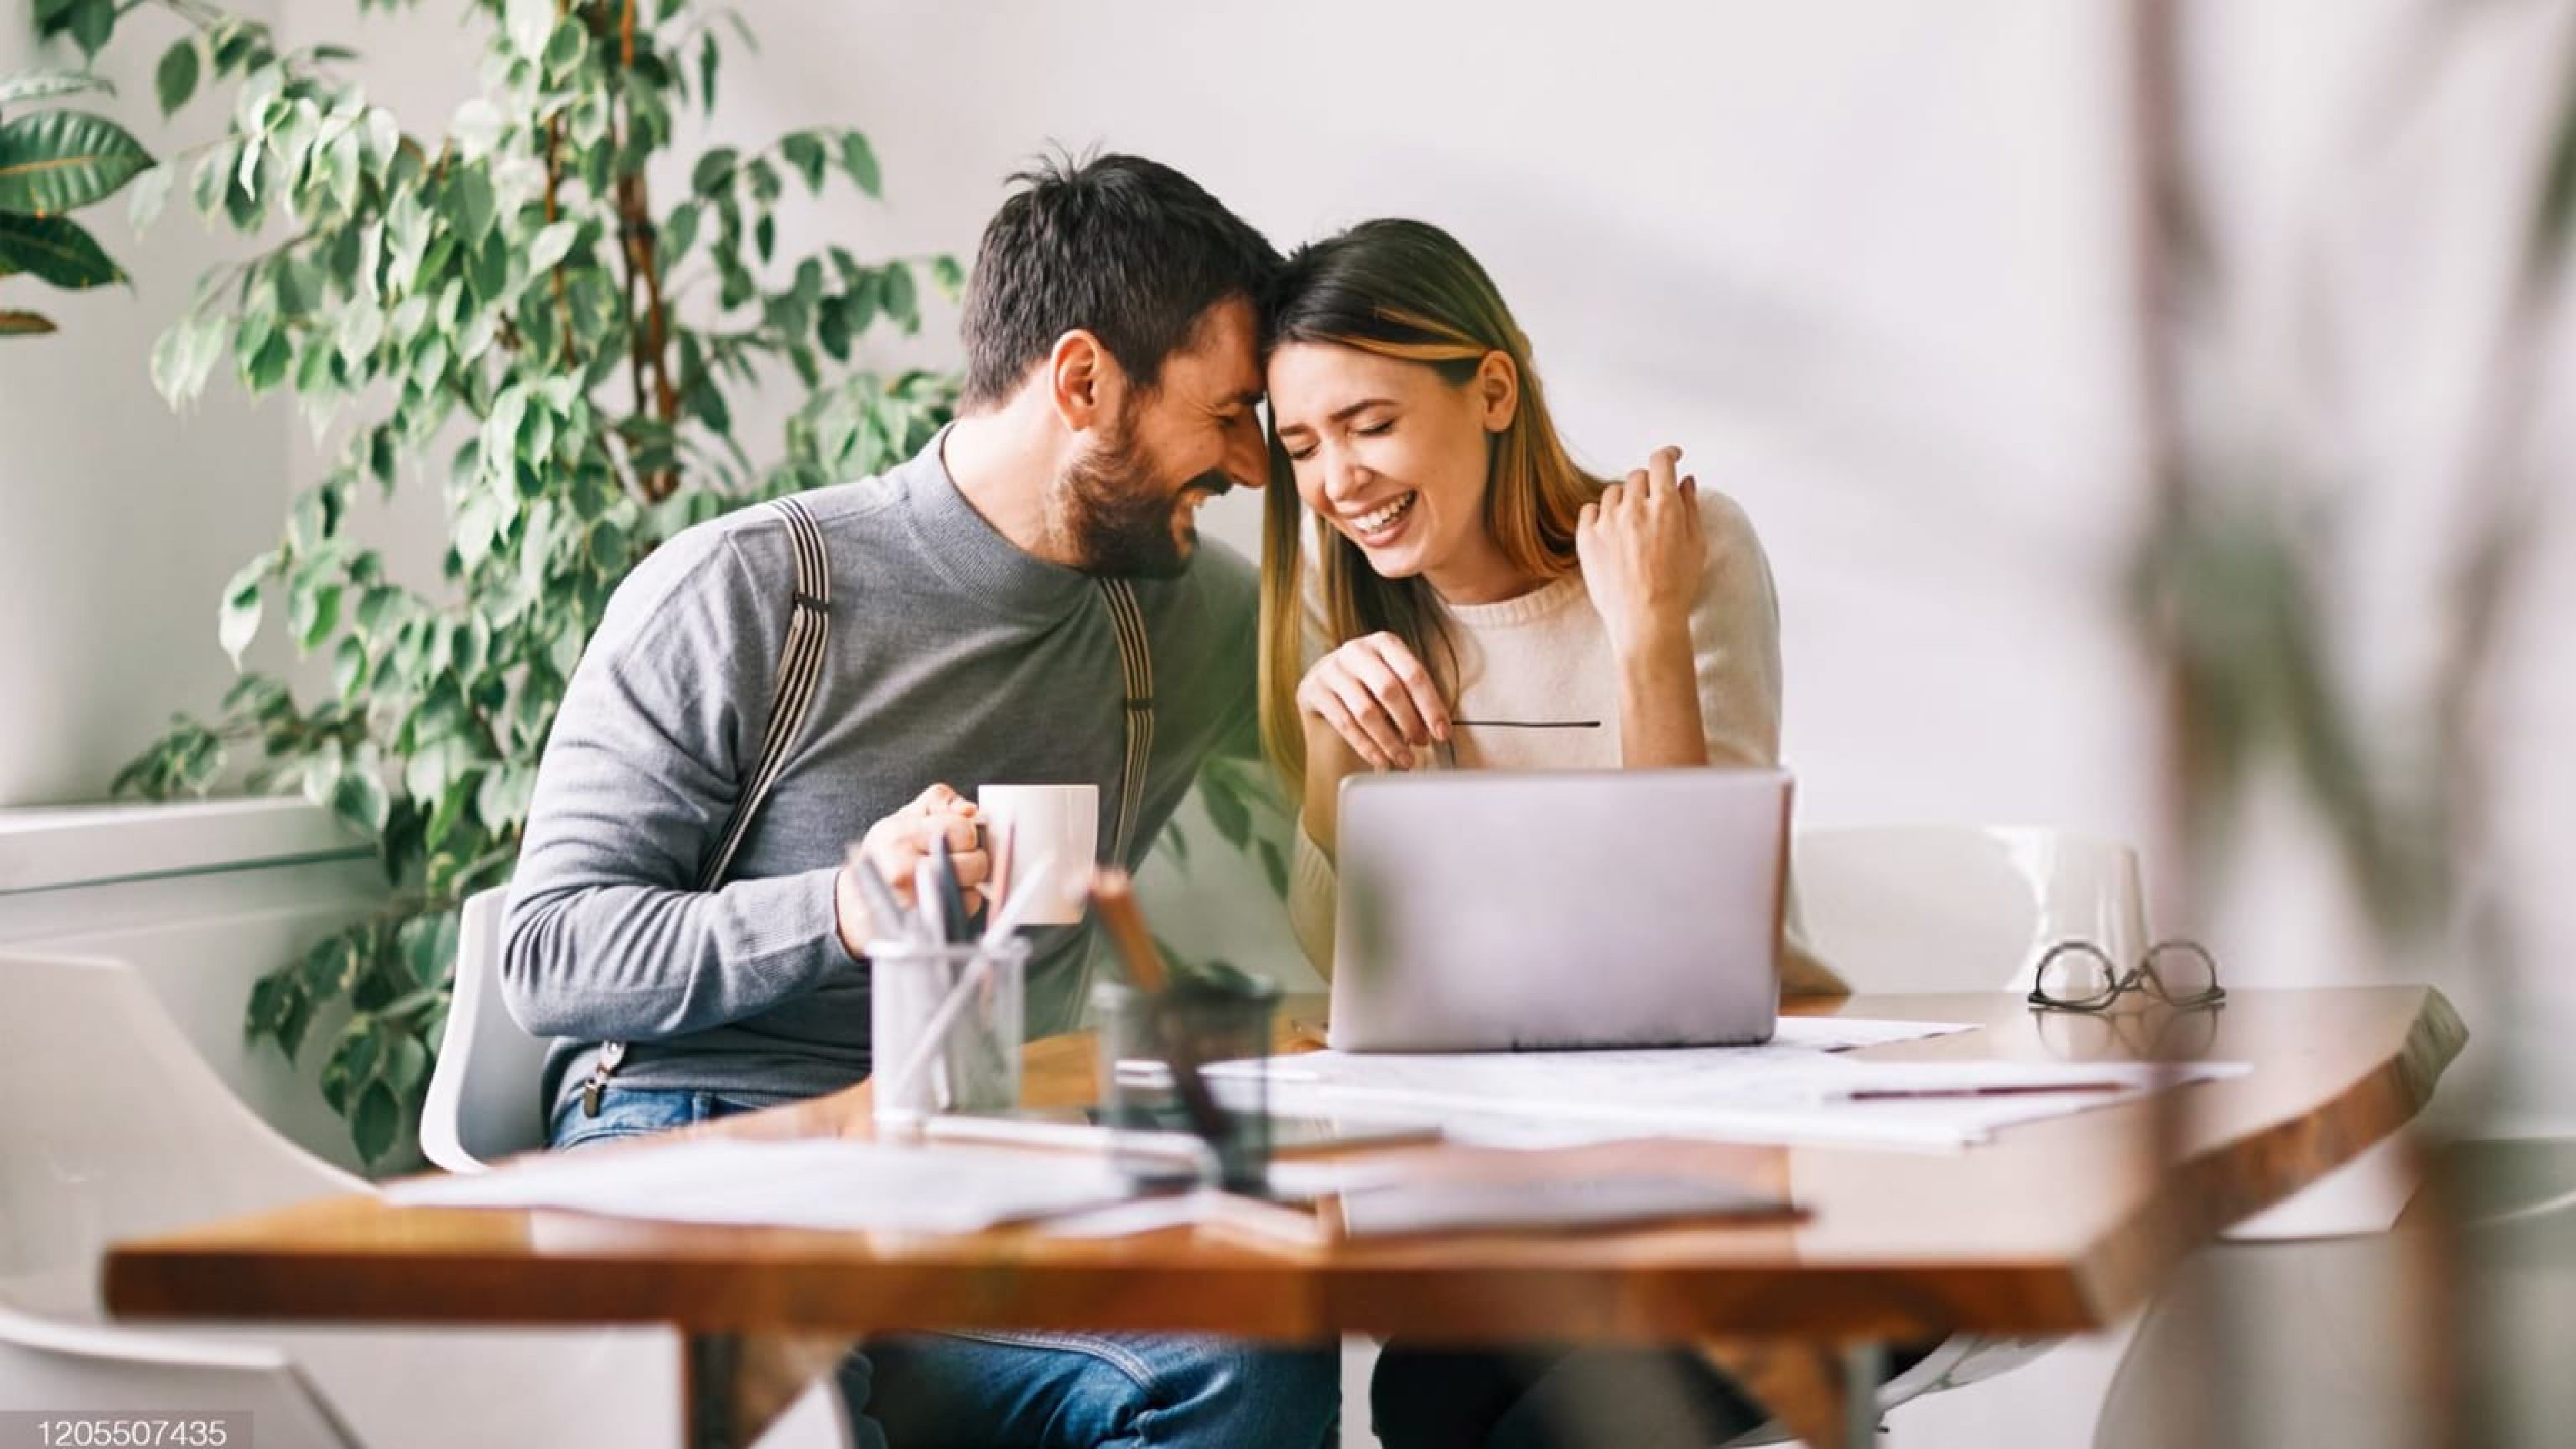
<point x="1391" y="454"/>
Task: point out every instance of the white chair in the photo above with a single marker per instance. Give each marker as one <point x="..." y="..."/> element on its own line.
<point x="1961" y="907"/>
<point x="486" y="1093"/>
<point x="119" y="1129"/>
<point x="76" y="1368"/>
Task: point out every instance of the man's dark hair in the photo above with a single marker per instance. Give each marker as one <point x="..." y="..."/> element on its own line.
<point x="1128" y="249"/>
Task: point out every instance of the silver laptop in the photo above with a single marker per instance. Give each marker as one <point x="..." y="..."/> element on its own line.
<point x="1492" y="911"/>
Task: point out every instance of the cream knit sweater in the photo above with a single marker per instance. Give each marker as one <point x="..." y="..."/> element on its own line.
<point x="1539" y="667"/>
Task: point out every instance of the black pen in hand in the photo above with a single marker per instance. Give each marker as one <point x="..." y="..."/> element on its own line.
<point x="952" y="901"/>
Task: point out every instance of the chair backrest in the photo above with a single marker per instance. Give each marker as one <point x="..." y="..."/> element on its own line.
<point x="1961" y="907"/>
<point x="117" y="1128"/>
<point x="76" y="1370"/>
<point x="485" y="1092"/>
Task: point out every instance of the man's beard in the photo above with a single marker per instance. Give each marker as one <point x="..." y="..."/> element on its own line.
<point x="1118" y="522"/>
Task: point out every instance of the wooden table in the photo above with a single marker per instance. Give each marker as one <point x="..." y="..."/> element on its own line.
<point x="2055" y="1227"/>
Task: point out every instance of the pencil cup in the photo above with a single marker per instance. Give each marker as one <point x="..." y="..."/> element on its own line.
<point x="945" y="1024"/>
<point x="1154" y="1049"/>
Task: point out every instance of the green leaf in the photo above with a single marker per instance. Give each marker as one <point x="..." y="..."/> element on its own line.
<point x="92" y="22"/>
<point x="151" y="190"/>
<point x="55" y="248"/>
<point x="707" y="75"/>
<point x="405" y="1063"/>
<point x="503" y="800"/>
<point x="551" y="246"/>
<point x="1227" y="811"/>
<point x="713" y="171"/>
<point x="361" y="328"/>
<point x="677" y="234"/>
<point x="528" y="23"/>
<point x="360" y="798"/>
<point x="901" y="303"/>
<point x="477" y="128"/>
<point x="23" y="324"/>
<point x="378" y="1118"/>
<point x="348" y="667"/>
<point x="804" y="151"/>
<point x="238" y="44"/>
<point x="40" y="85"/>
<point x="565" y="47"/>
<point x="428" y="945"/>
<point x="860" y="160"/>
<point x="312" y="611"/>
<point x="238" y="623"/>
<point x="947" y="276"/>
<point x="175" y="80"/>
<point x="54" y="161"/>
<point x="468" y="204"/>
<point x="832" y="327"/>
<point x="185" y="354"/>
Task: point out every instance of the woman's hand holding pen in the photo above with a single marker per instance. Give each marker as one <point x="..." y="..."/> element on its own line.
<point x="900" y="842"/>
<point x="1378" y="697"/>
<point x="1643" y="551"/>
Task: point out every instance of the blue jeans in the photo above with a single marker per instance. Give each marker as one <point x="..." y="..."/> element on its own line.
<point x="1036" y="1389"/>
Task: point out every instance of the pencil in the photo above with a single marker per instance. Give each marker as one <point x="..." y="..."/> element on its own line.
<point x="1115" y="894"/>
<point x="2018" y="1089"/>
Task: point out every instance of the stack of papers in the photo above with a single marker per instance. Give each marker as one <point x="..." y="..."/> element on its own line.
<point x="827" y="1184"/>
<point x="1315" y="1204"/>
<point x="1792" y="1090"/>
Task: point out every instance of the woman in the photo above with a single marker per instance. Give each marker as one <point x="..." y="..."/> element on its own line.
<point x="1464" y="594"/>
<point x="1442" y="584"/>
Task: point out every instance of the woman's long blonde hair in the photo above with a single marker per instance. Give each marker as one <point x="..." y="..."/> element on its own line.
<point x="1402" y="289"/>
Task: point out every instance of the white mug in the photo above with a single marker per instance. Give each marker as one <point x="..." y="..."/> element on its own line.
<point x="1057" y="824"/>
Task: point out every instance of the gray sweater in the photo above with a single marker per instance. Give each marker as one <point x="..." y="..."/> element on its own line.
<point x="954" y="657"/>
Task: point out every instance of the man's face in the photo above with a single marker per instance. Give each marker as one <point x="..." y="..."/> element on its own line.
<point x="1128" y="507"/>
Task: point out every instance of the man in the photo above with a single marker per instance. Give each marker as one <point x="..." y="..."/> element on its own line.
<point x="1112" y="376"/>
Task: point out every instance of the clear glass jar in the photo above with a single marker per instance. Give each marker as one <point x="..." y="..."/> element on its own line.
<point x="945" y="1023"/>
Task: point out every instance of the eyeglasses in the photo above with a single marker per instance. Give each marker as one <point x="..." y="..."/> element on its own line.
<point x="2165" y="1034"/>
<point x="2081" y="976"/>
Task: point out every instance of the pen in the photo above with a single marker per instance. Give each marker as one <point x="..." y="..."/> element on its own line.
<point x="1114" y="895"/>
<point x="2022" y="1089"/>
<point x="953" y="926"/>
<point x="887" y="919"/>
<point x="929" y="900"/>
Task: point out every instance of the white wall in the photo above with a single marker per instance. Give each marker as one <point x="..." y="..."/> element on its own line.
<point x="119" y="523"/>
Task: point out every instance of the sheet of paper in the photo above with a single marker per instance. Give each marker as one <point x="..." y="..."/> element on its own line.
<point x="1795" y="1089"/>
<point x="1290" y="1179"/>
<point x="1843" y="1033"/>
<point x="805" y="1184"/>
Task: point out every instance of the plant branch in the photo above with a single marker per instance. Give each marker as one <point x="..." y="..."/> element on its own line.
<point x="554" y="183"/>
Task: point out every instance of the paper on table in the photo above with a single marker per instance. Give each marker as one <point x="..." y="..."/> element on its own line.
<point x="1843" y="1033"/>
<point x="1616" y="1200"/>
<point x="1791" y="1090"/>
<point x="1797" y="1039"/>
<point x="1289" y="1181"/>
<point x="804" y="1184"/>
